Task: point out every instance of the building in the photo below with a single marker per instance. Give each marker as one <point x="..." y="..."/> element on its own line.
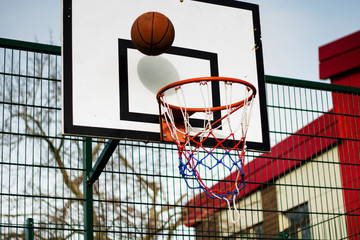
<point x="308" y="186"/>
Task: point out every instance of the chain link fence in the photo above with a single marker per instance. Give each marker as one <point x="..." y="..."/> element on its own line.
<point x="307" y="187"/>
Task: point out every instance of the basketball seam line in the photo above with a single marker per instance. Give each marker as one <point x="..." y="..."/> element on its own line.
<point x="138" y="30"/>
<point x="152" y="32"/>
<point x="166" y="32"/>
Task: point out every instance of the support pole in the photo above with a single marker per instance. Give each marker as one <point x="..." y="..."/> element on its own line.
<point x="102" y="161"/>
<point x="88" y="191"/>
<point x="29" y="230"/>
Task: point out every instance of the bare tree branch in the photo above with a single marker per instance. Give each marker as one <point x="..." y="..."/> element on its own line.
<point x="38" y="123"/>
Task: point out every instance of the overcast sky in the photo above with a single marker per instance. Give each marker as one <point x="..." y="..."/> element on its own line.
<point x="292" y="30"/>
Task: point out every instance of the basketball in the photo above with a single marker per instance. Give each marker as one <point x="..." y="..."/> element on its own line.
<point x="152" y="33"/>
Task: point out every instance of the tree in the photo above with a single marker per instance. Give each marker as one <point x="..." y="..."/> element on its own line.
<point x="50" y="188"/>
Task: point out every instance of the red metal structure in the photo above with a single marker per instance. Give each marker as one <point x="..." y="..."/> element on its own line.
<point x="340" y="61"/>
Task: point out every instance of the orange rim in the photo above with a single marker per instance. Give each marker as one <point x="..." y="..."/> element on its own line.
<point x="207" y="79"/>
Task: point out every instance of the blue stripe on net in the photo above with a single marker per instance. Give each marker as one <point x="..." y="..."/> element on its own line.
<point x="188" y="171"/>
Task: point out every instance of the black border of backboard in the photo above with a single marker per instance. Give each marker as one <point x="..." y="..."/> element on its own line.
<point x="126" y="114"/>
<point x="71" y="129"/>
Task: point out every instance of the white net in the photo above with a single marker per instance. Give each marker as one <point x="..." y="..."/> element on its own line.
<point x="210" y="132"/>
<point x="191" y="110"/>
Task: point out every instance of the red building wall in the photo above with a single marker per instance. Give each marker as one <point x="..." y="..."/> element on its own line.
<point x="340" y="61"/>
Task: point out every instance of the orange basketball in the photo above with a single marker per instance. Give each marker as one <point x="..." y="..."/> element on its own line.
<point x="152" y="33"/>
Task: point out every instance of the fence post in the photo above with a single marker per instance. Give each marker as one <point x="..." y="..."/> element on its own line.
<point x="29" y="229"/>
<point x="88" y="191"/>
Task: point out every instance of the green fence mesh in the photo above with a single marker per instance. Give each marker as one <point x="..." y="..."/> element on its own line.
<point x="307" y="187"/>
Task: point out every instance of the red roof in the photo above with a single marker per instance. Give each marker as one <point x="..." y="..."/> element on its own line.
<point x="340" y="56"/>
<point x="308" y="142"/>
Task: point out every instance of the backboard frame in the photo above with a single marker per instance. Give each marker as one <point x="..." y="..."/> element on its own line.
<point x="124" y="44"/>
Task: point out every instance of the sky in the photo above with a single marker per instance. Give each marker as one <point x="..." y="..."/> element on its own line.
<point x="292" y="30"/>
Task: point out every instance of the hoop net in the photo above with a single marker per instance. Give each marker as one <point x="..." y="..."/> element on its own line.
<point x="191" y="119"/>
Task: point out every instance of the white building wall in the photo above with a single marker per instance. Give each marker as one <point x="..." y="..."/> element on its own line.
<point x="317" y="183"/>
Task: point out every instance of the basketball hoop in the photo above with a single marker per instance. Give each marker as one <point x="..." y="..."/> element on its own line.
<point x="179" y="120"/>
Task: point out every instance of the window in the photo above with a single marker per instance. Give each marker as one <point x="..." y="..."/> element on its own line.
<point x="299" y="222"/>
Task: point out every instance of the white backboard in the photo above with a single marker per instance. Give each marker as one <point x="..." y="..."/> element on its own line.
<point x="109" y="87"/>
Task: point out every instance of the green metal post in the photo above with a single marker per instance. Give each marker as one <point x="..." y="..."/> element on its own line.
<point x="88" y="191"/>
<point x="29" y="230"/>
<point x="102" y="160"/>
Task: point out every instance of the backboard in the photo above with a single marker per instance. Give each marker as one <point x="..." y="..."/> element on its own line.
<point x="109" y="87"/>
